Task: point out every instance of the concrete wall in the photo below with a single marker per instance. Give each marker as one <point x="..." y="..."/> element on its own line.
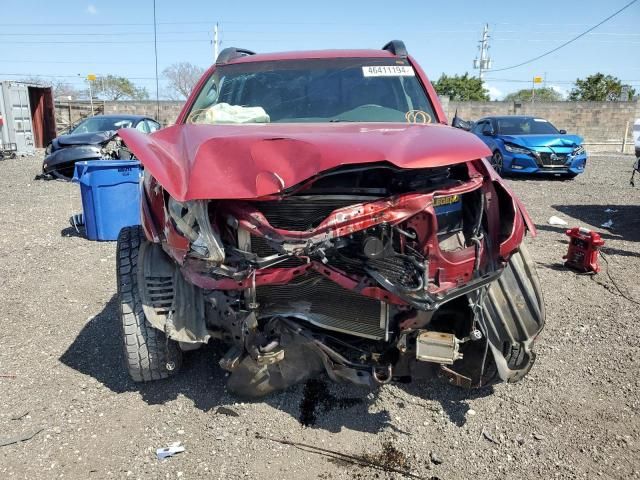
<point x="70" y="113"/>
<point x="169" y="110"/>
<point x="602" y="124"/>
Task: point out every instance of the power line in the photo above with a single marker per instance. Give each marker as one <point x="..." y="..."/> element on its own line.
<point x="96" y="34"/>
<point x="567" y="42"/>
<point x="65" y="76"/>
<point x="101" y="42"/>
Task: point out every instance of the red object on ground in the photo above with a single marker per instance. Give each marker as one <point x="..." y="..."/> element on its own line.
<point x="583" y="250"/>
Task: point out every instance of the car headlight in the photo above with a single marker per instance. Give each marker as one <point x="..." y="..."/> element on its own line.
<point x="192" y="220"/>
<point x="579" y="150"/>
<point x="509" y="147"/>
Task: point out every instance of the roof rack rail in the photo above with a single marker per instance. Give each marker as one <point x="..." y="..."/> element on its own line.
<point x="397" y="48"/>
<point x="232" y="53"/>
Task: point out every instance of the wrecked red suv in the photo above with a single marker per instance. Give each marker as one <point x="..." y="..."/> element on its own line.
<point x="313" y="212"/>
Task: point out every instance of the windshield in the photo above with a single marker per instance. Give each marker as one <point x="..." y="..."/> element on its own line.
<point x="316" y="90"/>
<point x="101" y="124"/>
<point x="525" y="126"/>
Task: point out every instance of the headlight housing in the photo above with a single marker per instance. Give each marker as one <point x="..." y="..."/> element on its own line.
<point x="192" y="220"/>
<point x="510" y="147"/>
<point x="579" y="150"/>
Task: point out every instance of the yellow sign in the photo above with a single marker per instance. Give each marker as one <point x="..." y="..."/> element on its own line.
<point x="448" y="200"/>
<point x="537" y="79"/>
<point x="91" y="77"/>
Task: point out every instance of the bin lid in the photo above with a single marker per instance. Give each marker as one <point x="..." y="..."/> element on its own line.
<point x="84" y="168"/>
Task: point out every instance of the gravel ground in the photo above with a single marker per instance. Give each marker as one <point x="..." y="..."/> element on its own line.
<point x="574" y="416"/>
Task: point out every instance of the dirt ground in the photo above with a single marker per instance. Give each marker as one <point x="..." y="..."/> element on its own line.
<point x="577" y="415"/>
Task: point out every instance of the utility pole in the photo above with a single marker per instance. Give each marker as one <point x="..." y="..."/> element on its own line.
<point x="155" y="52"/>
<point x="483" y="62"/>
<point x="216" y="43"/>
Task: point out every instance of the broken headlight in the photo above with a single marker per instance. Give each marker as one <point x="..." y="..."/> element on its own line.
<point x="579" y="150"/>
<point x="192" y="220"/>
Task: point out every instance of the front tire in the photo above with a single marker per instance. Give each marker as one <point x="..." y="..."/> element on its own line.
<point x="148" y="354"/>
<point x="497" y="162"/>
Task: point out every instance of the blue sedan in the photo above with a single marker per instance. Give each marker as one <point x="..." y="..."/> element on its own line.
<point x="531" y="145"/>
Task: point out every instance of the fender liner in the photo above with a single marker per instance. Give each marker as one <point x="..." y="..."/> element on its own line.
<point x="514" y="314"/>
<point x="170" y="303"/>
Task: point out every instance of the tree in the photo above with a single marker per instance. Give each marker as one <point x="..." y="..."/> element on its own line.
<point x="182" y="77"/>
<point x="461" y="87"/>
<point x="598" y="87"/>
<point x="113" y="88"/>
<point x="544" y="94"/>
<point x="64" y="90"/>
<point x="61" y="88"/>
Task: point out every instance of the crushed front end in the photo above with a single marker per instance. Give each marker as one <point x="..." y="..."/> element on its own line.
<point x="367" y="272"/>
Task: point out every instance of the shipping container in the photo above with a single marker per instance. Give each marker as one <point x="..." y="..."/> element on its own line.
<point x="27" y="118"/>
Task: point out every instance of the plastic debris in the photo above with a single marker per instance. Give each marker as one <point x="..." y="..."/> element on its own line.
<point x="556" y="221"/>
<point x="77" y="221"/>
<point x="610" y="210"/>
<point x="435" y="458"/>
<point x="489" y="437"/>
<point x="607" y="224"/>
<point x="170" y="450"/>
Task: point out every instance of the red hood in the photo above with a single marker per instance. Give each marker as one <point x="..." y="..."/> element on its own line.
<point x="249" y="161"/>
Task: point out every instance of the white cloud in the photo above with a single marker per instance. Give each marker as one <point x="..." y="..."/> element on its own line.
<point x="91" y="9"/>
<point x="494" y="92"/>
<point x="561" y="90"/>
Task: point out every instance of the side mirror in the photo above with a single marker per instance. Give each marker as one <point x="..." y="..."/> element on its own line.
<point x="487" y="131"/>
<point x="563" y="132"/>
<point x="461" y="124"/>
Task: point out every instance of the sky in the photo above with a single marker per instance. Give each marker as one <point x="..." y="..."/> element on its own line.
<point x="68" y="39"/>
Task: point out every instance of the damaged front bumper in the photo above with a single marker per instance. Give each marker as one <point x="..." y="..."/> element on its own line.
<point x="348" y="283"/>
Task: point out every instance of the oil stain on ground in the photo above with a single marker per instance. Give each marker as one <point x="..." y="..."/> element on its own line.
<point x="317" y="399"/>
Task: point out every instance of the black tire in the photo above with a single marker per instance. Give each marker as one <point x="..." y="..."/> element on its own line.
<point x="148" y="354"/>
<point x="497" y="161"/>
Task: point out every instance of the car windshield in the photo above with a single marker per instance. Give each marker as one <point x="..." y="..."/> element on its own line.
<point x="525" y="126"/>
<point x="101" y="124"/>
<point x="316" y="90"/>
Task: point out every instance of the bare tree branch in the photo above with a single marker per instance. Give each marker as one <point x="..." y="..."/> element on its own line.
<point x="182" y="77"/>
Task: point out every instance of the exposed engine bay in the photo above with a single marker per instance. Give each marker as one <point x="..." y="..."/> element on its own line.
<point x="369" y="273"/>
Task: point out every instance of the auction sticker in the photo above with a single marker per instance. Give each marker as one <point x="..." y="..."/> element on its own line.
<point x="388" y="71"/>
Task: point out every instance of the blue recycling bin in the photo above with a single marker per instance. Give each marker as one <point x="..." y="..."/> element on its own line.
<point x="110" y="196"/>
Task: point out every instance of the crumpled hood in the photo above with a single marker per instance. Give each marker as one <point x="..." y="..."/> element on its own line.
<point x="532" y="141"/>
<point x="92" y="138"/>
<point x="250" y="161"/>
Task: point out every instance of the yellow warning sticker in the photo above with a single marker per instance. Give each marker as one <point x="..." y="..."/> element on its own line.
<point x="448" y="200"/>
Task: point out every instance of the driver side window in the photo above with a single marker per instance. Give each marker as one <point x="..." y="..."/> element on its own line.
<point x="477" y="129"/>
<point x="143" y="127"/>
